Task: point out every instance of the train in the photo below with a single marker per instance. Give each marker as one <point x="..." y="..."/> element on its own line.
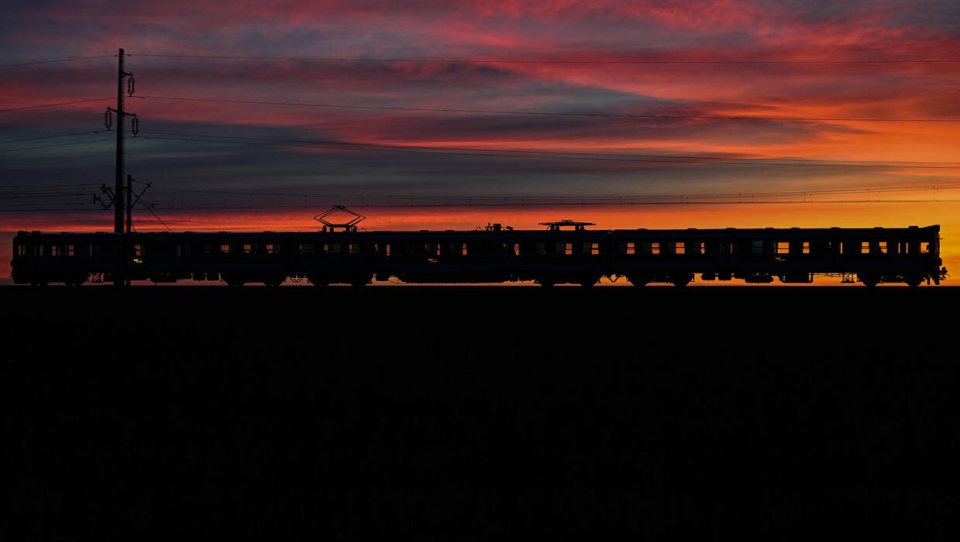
<point x="563" y="252"/>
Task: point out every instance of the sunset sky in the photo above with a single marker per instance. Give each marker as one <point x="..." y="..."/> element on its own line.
<point x="450" y="115"/>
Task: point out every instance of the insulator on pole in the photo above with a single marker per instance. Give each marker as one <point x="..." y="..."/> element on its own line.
<point x="108" y="118"/>
<point x="130" y="86"/>
<point x="135" y="125"/>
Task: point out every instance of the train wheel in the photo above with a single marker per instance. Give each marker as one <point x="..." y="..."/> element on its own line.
<point x="273" y="280"/>
<point x="318" y="281"/>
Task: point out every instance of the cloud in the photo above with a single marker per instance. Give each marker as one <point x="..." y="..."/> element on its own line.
<point x="369" y="99"/>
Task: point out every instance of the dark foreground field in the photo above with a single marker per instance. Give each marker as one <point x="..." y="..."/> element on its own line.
<point x="773" y="413"/>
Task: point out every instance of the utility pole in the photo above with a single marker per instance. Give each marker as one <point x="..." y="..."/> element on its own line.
<point x="119" y="207"/>
<point x="121" y="210"/>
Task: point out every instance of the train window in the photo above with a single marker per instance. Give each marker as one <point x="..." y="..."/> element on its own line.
<point x="591" y="248"/>
<point x="882" y="247"/>
<point x="756" y="247"/>
<point x="783" y="247"/>
<point x="565" y="248"/>
<point x="628" y="248"/>
<point x="249" y="248"/>
<point x="137" y="250"/>
<point x="353" y="248"/>
<point x="225" y="248"/>
<point x="61" y="250"/>
<point x="651" y="247"/>
<point x="67" y="250"/>
<point x="272" y="248"/>
<point x="541" y="249"/>
<point x="679" y="247"/>
<point x="306" y="248"/>
<point x="331" y="248"/>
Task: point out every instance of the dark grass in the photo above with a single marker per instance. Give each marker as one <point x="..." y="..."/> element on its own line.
<point x="479" y="413"/>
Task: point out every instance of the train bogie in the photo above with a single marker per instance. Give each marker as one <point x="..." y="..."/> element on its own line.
<point x="801" y="277"/>
<point x="585" y="280"/>
<point x="755" y="278"/>
<point x="72" y="279"/>
<point x="676" y="278"/>
<point x="356" y="279"/>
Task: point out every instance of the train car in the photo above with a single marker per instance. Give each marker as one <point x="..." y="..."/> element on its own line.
<point x="564" y="252"/>
<point x="474" y="256"/>
<point x="789" y="255"/>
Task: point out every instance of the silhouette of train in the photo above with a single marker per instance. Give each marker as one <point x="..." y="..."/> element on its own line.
<point x="565" y="252"/>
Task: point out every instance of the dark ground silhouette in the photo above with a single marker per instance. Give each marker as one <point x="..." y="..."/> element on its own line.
<point x="477" y="413"/>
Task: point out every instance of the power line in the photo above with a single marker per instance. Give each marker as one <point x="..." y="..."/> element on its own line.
<point x="540" y="154"/>
<point x="47" y="137"/>
<point x="500" y="111"/>
<point x="474" y="202"/>
<point x="54" y="145"/>
<point x="52" y="105"/>
<point x="543" y="154"/>
<point x="649" y="61"/>
<point x="33" y="63"/>
<point x="20" y="191"/>
<point x="465" y="151"/>
<point x="548" y="61"/>
<point x="540" y="113"/>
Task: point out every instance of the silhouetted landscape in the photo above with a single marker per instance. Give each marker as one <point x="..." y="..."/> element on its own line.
<point x="155" y="413"/>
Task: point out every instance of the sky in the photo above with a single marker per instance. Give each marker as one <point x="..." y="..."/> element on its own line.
<point x="422" y="114"/>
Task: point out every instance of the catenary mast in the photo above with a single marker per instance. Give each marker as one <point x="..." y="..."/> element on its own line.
<point x="121" y="205"/>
